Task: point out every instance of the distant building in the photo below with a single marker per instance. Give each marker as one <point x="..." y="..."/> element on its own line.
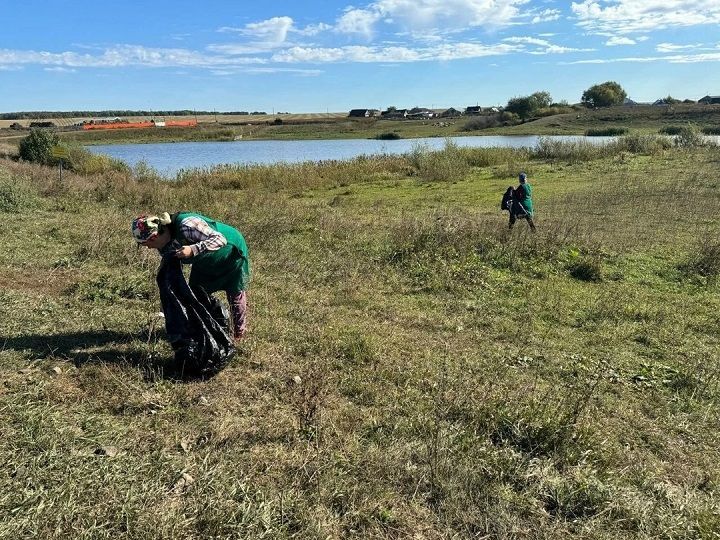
<point x="394" y="114"/>
<point x="660" y="102"/>
<point x="450" y="113"/>
<point x="627" y="102"/>
<point x="363" y="113"/>
<point x="477" y="109"/>
<point x="710" y="100"/>
<point x="420" y="113"/>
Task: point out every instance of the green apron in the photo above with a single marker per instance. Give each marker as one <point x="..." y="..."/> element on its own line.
<point x="226" y="269"/>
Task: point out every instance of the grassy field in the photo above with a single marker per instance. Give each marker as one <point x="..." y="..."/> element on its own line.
<point x="641" y="119"/>
<point x="413" y="369"/>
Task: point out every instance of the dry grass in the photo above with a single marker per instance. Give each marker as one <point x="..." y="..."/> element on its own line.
<point x="413" y="370"/>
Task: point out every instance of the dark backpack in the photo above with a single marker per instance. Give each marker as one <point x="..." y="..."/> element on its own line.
<point x="507" y="199"/>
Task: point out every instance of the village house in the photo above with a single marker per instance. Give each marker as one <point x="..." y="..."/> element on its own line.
<point x="363" y="113"/>
<point x="476" y="109"/>
<point x="450" y="113"/>
<point x="394" y="114"/>
<point x="420" y="113"/>
<point x="710" y="100"/>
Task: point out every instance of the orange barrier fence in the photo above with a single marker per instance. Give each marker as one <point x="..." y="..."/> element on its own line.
<point x="128" y="125"/>
<point x="181" y="123"/>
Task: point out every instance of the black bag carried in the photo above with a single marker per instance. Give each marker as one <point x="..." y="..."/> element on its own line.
<point x="196" y="323"/>
<point x="507" y="198"/>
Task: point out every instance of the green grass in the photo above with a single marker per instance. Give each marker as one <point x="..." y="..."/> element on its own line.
<point x="413" y="368"/>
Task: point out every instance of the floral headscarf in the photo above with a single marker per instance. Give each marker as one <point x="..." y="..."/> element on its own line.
<point x="146" y="227"/>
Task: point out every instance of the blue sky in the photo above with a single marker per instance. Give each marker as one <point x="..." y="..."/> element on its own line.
<point x="317" y="56"/>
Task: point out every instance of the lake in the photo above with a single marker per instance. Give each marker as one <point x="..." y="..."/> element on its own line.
<point x="169" y="158"/>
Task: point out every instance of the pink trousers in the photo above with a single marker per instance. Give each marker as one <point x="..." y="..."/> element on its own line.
<point x="238" y="308"/>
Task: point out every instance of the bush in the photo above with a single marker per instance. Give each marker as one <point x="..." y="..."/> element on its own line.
<point x="606" y="132"/>
<point x="586" y="268"/>
<point x="15" y="197"/>
<point x="482" y="122"/>
<point x="37" y="146"/>
<point x="689" y="137"/>
<point x="711" y="130"/>
<point x="704" y="261"/>
<point x="643" y="144"/>
<point x="670" y="130"/>
<point x="444" y="165"/>
<point x="390" y="136"/>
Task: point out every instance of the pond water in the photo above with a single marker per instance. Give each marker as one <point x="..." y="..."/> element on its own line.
<point x="169" y="158"/>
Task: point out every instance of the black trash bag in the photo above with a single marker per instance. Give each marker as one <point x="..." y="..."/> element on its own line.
<point x="196" y="323"/>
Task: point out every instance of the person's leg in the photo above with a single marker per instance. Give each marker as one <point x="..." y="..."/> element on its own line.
<point x="512" y="219"/>
<point x="531" y="223"/>
<point x="238" y="308"/>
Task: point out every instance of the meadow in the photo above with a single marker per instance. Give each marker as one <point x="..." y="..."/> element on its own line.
<point x="413" y="369"/>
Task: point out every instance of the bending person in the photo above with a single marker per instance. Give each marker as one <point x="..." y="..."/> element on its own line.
<point x="217" y="252"/>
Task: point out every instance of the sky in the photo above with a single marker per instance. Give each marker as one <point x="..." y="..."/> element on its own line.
<point x="332" y="56"/>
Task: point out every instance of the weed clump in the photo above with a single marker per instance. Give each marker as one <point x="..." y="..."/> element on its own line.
<point x="443" y="166"/>
<point x="586" y="268"/>
<point x="689" y="137"/>
<point x="389" y="136"/>
<point x="704" y="261"/>
<point x="17" y="197"/>
<point x="606" y="132"/>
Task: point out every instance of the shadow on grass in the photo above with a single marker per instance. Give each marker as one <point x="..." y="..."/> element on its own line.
<point x="102" y="346"/>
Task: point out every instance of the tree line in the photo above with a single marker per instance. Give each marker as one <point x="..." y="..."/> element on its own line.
<point x="33" y="115"/>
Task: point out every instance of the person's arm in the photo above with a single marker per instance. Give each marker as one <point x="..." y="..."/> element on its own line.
<point x="202" y="237"/>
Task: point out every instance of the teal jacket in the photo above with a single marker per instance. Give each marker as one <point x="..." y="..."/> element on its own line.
<point x="526" y="201"/>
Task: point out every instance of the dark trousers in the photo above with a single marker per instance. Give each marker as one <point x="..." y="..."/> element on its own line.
<point x="514" y="216"/>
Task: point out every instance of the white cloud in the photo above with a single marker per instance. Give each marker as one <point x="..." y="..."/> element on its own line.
<point x="314" y="29"/>
<point x="426" y="17"/>
<point x="265" y="35"/>
<point x="60" y="69"/>
<point x="671" y="47"/>
<point x="401" y="54"/>
<point x="674" y="59"/>
<point x="620" y="40"/>
<point x="627" y="16"/>
<point x="121" y="56"/>
<point x="546" y="16"/>
<point x="357" y="21"/>
<point x="543" y="46"/>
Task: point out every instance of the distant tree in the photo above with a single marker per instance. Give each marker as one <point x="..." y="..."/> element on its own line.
<point x="37" y="147"/>
<point x="671" y="100"/>
<point x="604" y="95"/>
<point x="528" y="106"/>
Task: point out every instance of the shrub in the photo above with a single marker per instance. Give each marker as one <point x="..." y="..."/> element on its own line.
<point x="670" y="130"/>
<point x="444" y="165"/>
<point x="37" y="146"/>
<point x="15" y="197"/>
<point x="606" y="132"/>
<point x="481" y="122"/>
<point x="711" y="130"/>
<point x="704" y="261"/>
<point x="586" y="268"/>
<point x="390" y="136"/>
<point x="642" y="144"/>
<point x="689" y="137"/>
